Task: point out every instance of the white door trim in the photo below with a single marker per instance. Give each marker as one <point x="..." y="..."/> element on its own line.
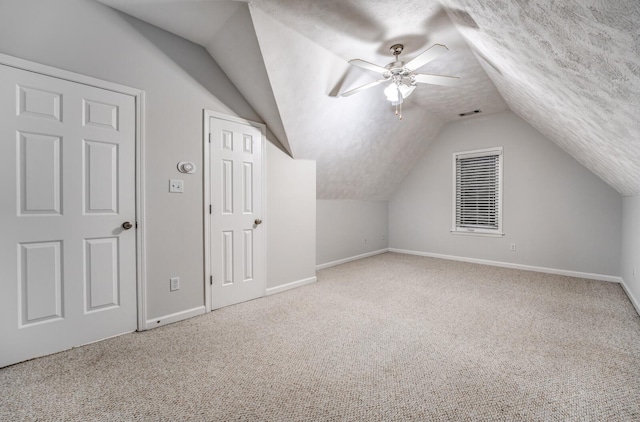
<point x="207" y="196"/>
<point x="139" y="159"/>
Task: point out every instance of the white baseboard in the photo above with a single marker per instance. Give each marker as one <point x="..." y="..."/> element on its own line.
<point x="630" y="295"/>
<point x="171" y="318"/>
<point x="284" y="287"/>
<point x="351" y="258"/>
<point x="601" y="277"/>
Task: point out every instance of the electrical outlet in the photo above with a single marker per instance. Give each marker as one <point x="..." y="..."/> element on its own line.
<point x="383" y="237"/>
<point x="176" y="186"/>
<point x="174" y="284"/>
<point x="365" y="240"/>
<point x="512" y="247"/>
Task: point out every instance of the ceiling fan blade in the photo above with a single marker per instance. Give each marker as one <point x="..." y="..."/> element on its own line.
<point x="436" y="79"/>
<point x="363" y="87"/>
<point x="426" y="56"/>
<point x="368" y="66"/>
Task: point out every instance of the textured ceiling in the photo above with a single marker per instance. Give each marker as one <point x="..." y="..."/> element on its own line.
<point x="571" y="69"/>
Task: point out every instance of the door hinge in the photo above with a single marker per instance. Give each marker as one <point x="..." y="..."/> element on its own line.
<point x="210" y="279"/>
<point x="209" y="137"/>
<point x="210" y="209"/>
<point x="136" y="224"/>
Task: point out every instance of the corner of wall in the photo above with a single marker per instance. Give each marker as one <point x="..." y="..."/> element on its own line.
<point x="630" y="256"/>
<point x="350" y="229"/>
<point x="634" y="301"/>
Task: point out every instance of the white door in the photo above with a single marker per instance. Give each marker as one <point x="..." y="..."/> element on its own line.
<point x="67" y="165"/>
<point x="237" y="235"/>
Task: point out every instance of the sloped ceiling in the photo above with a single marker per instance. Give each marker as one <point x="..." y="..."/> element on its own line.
<point x="571" y="69"/>
<point x="225" y="29"/>
<point x="362" y="150"/>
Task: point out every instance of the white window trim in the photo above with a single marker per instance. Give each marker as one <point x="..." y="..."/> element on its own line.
<point x="478" y="232"/>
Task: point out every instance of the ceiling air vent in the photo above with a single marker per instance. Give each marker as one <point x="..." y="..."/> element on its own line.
<point x="470" y="113"/>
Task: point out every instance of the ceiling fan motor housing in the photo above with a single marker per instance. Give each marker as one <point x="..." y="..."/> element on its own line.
<point x="397" y="68"/>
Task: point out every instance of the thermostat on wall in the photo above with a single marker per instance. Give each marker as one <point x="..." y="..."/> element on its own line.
<point x="186" y="167"/>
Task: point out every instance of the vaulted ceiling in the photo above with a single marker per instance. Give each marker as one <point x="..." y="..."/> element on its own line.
<point x="571" y="69"/>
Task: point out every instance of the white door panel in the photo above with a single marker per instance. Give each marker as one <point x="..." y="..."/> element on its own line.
<point x="67" y="163"/>
<point x="237" y="242"/>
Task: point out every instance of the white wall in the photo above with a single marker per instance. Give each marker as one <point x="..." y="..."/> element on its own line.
<point x="348" y="228"/>
<point x="559" y="214"/>
<point x="291" y="218"/>
<point x="180" y="80"/>
<point x="246" y="69"/>
<point x="631" y="246"/>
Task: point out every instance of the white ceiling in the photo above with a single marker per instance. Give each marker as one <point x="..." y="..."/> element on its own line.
<point x="571" y="69"/>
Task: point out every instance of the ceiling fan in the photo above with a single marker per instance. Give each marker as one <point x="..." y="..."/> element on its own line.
<point x="400" y="74"/>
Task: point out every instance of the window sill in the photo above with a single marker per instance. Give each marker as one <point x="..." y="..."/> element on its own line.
<point x="476" y="233"/>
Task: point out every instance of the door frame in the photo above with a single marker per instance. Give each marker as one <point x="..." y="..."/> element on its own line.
<point x="139" y="97"/>
<point x="207" y="115"/>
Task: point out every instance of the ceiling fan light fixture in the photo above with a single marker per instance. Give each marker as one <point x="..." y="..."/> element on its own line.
<point x="405" y="90"/>
<point x="392" y="92"/>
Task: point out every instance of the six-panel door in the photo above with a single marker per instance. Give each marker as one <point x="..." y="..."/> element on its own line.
<point x="237" y="236"/>
<point x="67" y="167"/>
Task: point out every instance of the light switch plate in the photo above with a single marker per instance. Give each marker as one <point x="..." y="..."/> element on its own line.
<point x="176" y="186"/>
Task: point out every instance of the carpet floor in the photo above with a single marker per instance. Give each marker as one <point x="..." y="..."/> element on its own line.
<point x="388" y="338"/>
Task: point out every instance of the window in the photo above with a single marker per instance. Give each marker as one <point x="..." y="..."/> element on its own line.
<point x="477" y="192"/>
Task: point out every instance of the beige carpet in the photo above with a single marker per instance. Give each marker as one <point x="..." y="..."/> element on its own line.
<point x="388" y="338"/>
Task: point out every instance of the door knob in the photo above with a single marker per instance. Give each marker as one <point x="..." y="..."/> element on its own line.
<point x="258" y="221"/>
<point x="127" y="225"/>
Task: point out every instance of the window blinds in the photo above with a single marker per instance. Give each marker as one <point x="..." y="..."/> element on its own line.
<point x="478" y="192"/>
